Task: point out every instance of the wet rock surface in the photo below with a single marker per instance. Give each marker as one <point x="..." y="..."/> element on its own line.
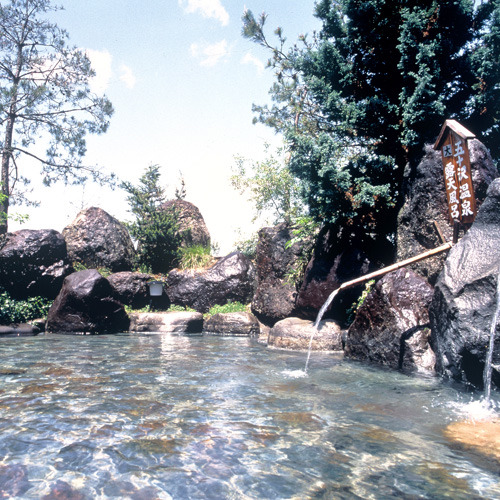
<point x="235" y="323"/>
<point x="465" y="298"/>
<point x="96" y="239"/>
<point x="33" y="263"/>
<point x="231" y="279"/>
<point x="20" y="330"/>
<point x="391" y="327"/>
<point x="426" y="202"/>
<point x="168" y="322"/>
<point x="295" y="333"/>
<point x="86" y="304"/>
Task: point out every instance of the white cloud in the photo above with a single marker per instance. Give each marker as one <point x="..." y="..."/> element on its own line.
<point x="249" y="58"/>
<point x="208" y="8"/>
<point x="210" y="54"/>
<point x="101" y="63"/>
<point x="127" y="76"/>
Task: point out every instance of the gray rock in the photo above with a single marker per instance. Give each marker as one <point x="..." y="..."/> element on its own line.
<point x="167" y="322"/>
<point x="235" y="323"/>
<point x="275" y="296"/>
<point x="465" y="297"/>
<point x="391" y="327"/>
<point x="191" y="223"/>
<point x="33" y="263"/>
<point x="295" y="333"/>
<point x="86" y="304"/>
<point x="19" y="330"/>
<point x="426" y="202"/>
<point x="231" y="279"/>
<point x="96" y="239"/>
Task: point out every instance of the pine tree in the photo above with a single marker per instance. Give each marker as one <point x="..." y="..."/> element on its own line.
<point x="44" y="93"/>
<point x="379" y="79"/>
<point x="155" y="229"/>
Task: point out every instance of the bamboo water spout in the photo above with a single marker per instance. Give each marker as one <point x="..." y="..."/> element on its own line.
<point x="367" y="277"/>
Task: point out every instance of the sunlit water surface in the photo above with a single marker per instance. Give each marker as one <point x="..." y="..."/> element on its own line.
<point x="161" y="416"/>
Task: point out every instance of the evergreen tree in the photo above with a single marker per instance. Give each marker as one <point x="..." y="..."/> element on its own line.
<point x="155" y="229"/>
<point x="376" y="84"/>
<point x="44" y="93"/>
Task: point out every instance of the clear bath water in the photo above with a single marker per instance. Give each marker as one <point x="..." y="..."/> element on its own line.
<point x="204" y="417"/>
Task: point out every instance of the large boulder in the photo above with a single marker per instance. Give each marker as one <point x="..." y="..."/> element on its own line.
<point x="96" y="239"/>
<point x="191" y="223"/>
<point x="391" y="327"/>
<point x="33" y="263"/>
<point x="426" y="204"/>
<point x="465" y="298"/>
<point x="86" y="304"/>
<point x="132" y="289"/>
<point x="276" y="294"/>
<point x="231" y="279"/>
<point x="296" y="334"/>
<point x="235" y="323"/>
<point x="339" y="256"/>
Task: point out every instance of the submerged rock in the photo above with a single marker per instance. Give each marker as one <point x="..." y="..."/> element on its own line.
<point x="481" y="437"/>
<point x="392" y="325"/>
<point x="96" y="239"/>
<point x="33" y="263"/>
<point x="231" y="279"/>
<point x="295" y="333"/>
<point x="14" y="480"/>
<point x="86" y="304"/>
<point x="234" y="323"/>
<point x="465" y="298"/>
<point x="167" y="322"/>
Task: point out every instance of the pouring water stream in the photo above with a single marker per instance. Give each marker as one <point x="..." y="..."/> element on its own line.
<point x="489" y="354"/>
<point x="322" y="311"/>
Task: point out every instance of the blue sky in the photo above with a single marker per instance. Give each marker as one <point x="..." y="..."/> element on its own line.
<point x="182" y="81"/>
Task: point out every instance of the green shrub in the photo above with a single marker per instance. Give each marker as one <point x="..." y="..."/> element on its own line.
<point x="227" y="308"/>
<point x="351" y="312"/>
<point x="195" y="257"/>
<point x="22" y="311"/>
<point x="176" y="308"/>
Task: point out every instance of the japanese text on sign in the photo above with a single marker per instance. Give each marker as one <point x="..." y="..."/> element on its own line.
<point x="458" y="182"/>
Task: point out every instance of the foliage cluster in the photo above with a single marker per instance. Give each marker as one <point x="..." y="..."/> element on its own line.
<point x="351" y="312"/>
<point x="227" y="308"/>
<point x="357" y="101"/>
<point x="273" y="190"/>
<point x="44" y="93"/>
<point x="195" y="257"/>
<point x="22" y="311"/>
<point x="155" y="228"/>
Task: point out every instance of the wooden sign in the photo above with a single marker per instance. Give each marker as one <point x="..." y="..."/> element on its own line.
<point x="452" y="142"/>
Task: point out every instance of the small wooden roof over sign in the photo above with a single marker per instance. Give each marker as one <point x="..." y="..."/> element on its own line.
<point x="454" y="126"/>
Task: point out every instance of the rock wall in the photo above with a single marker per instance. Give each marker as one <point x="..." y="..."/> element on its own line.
<point x="426" y="202"/>
<point x="465" y="297"/>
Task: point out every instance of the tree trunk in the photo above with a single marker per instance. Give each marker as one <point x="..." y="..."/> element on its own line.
<point x="7" y="146"/>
